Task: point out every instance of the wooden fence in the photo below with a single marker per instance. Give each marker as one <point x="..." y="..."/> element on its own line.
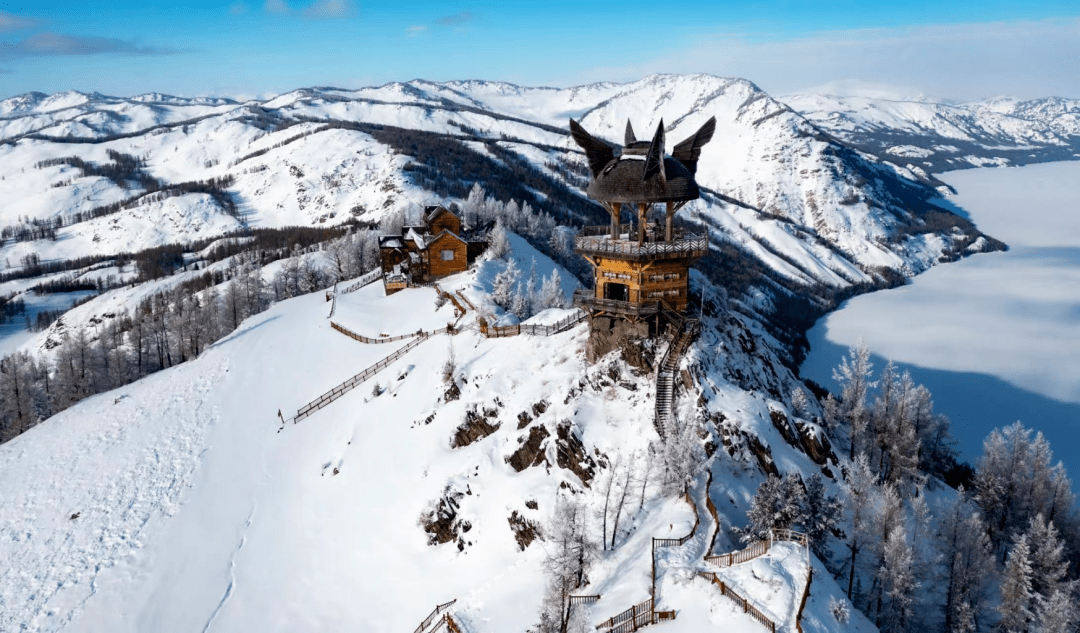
<point x="369" y="278"/>
<point x="632" y="619"/>
<point x="431" y="617"/>
<point x="347" y="386"/>
<point x="738" y="599"/>
<point x="759" y="548"/>
<point x="493" y="331"/>
<point x="365" y="339"/>
<point x="331" y="295"/>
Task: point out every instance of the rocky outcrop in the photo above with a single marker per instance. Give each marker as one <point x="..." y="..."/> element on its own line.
<point x="441" y="522"/>
<point x="525" y="530"/>
<point x="476" y="426"/>
<point x="530" y="453"/>
<point x="570" y="454"/>
<point x="607" y="335"/>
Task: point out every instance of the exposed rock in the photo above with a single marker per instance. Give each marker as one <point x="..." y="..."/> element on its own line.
<point x="607" y="334"/>
<point x="816" y="443"/>
<point x="763" y="455"/>
<point x="780" y="421"/>
<point x="525" y="530"/>
<point x="570" y="454"/>
<point x="530" y="452"/>
<point x="476" y="427"/>
<point x="453" y="392"/>
<point x="523" y="419"/>
<point x="440" y="519"/>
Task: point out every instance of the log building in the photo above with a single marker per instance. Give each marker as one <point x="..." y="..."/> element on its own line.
<point x="427" y="252"/>
<point x="641" y="268"/>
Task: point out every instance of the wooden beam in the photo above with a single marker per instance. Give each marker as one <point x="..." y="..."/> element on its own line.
<point x="670" y="214"/>
<point x="643" y="209"/>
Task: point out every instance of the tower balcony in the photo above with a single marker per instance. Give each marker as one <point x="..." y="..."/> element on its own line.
<point x="588" y="301"/>
<point x="597" y="241"/>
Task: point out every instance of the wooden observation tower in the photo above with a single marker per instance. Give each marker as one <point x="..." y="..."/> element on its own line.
<point x="641" y="268"/>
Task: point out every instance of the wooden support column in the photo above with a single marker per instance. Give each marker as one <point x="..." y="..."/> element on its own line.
<point x="614" y="210"/>
<point x="670" y="214"/>
<point x="642" y="209"/>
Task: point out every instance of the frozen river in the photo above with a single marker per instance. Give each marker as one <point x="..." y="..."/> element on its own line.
<point x="995" y="337"/>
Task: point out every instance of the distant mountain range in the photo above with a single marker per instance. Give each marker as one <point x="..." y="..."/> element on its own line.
<point x="782" y="187"/>
<point x="932" y="137"/>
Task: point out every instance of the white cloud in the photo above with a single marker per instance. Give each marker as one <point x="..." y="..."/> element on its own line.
<point x="276" y="6"/>
<point x="415" y="30"/>
<point x="12" y="22"/>
<point x="960" y="61"/>
<point x="329" y="9"/>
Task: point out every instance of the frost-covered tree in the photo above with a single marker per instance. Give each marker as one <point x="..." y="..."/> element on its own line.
<point x="1016" y="595"/>
<point x="505" y="285"/>
<point x="1016" y="480"/>
<point x="965" y="562"/>
<point x="551" y="294"/>
<point x="498" y="242"/>
<point x="819" y="514"/>
<point x="570" y="549"/>
<point x="859" y="489"/>
<point x="854" y="375"/>
<point x="1057" y="612"/>
<point x="777" y="504"/>
<point x="682" y="455"/>
<point x="799" y="403"/>
<point x="898" y="582"/>
<point x="1048" y="563"/>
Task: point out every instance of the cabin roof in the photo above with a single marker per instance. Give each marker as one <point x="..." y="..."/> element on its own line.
<point x="391" y="241"/>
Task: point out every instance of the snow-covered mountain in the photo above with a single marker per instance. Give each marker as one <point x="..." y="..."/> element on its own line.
<point x="182" y="503"/>
<point x="936" y="137"/>
<point x="816" y="212"/>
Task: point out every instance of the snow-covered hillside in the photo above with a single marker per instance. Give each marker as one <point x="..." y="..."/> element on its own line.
<point x="181" y="503"/>
<point x="936" y="137"/>
<point x="813" y="210"/>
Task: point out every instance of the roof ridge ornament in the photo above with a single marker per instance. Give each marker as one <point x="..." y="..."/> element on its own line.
<point x="654" y="160"/>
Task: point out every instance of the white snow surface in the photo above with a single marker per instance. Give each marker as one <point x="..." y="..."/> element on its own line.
<point x="179" y="503"/>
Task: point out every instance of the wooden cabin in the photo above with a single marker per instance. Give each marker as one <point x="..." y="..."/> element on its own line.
<point x="424" y="253"/>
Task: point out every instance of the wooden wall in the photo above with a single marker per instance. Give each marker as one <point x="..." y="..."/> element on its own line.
<point x="448" y="221"/>
<point x="646" y="281"/>
<point x="436" y="266"/>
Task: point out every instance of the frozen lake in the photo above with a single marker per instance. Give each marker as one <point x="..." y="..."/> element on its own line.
<point x="995" y="337"/>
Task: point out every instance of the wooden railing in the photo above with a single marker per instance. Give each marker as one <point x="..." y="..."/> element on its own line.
<point x="367" y="279"/>
<point x="632" y="619"/>
<point x="347" y="386"/>
<point x="431" y="617"/>
<point x="331" y="295"/>
<point x="665" y="373"/>
<point x="759" y="548"/>
<point x="390" y="339"/>
<point x="805" y="595"/>
<point x="466" y="300"/>
<point x="500" y="331"/>
<point x="738" y="599"/>
<point x="688" y="245"/>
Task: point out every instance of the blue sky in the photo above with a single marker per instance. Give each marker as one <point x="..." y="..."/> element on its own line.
<point x="247" y="48"/>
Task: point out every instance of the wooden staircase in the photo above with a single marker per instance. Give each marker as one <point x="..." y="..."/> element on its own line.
<point x="665" y="373"/>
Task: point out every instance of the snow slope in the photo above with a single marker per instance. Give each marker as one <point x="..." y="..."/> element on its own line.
<point x="180" y="503"/>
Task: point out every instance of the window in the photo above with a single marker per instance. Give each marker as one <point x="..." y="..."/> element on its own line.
<point x="447" y="255"/>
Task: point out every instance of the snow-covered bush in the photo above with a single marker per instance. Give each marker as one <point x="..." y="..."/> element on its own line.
<point x="838" y="607"/>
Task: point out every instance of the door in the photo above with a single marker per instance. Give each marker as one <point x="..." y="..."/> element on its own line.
<point x="618" y="292"/>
